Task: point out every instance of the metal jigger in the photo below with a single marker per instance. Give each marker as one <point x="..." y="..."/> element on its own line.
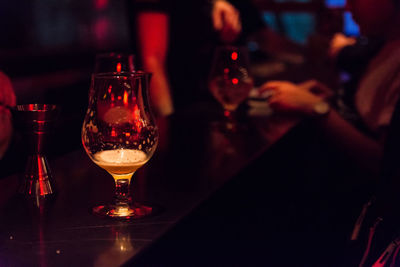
<point x="36" y="122"/>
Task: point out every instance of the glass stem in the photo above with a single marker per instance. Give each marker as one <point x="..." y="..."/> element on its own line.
<point x="122" y="192"/>
<point x="229" y="119"/>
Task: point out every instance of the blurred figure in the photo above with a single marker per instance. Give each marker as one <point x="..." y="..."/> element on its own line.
<point x="341" y="188"/>
<point x="376" y="94"/>
<point x="176" y="40"/>
<point x="338" y="42"/>
<point x="7" y="100"/>
<point x="351" y="57"/>
<point x="226" y="21"/>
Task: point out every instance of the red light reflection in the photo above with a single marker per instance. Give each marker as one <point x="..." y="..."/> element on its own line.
<point x="137" y="120"/>
<point x="234" y="55"/>
<point x="118" y="67"/>
<point x="235" y="81"/>
<point x="41" y="178"/>
<point x="125" y="98"/>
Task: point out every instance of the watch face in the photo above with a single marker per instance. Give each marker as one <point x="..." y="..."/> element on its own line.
<point x="322" y="108"/>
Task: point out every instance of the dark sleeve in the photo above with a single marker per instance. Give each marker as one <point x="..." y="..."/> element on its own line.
<point x="252" y="20"/>
<point x="356" y="57"/>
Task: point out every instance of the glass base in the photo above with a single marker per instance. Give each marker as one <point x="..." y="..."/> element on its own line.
<point x="134" y="211"/>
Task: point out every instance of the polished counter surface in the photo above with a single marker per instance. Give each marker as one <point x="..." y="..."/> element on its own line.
<point x="193" y="161"/>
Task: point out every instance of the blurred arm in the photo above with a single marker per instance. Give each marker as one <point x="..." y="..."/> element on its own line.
<point x="291" y="98"/>
<point x="153" y="30"/>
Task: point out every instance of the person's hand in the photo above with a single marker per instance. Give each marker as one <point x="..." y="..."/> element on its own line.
<point x="291" y="98"/>
<point x="317" y="89"/>
<point x="226" y="21"/>
<point x="338" y="42"/>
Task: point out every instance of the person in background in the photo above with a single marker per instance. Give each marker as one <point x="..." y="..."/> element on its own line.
<point x="7" y="100"/>
<point x="176" y="39"/>
<point x="376" y="94"/>
<point x="339" y="42"/>
<point x="351" y="57"/>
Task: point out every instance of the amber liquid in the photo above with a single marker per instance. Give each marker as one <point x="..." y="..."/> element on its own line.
<point x="120" y="161"/>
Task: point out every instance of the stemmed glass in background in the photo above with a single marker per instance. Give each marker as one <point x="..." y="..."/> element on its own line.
<point x="229" y="81"/>
<point x="120" y="135"/>
<point x="114" y="62"/>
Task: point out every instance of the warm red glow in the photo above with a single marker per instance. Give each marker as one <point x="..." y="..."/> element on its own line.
<point x="125" y="98"/>
<point x="102" y="30"/>
<point x="100" y="4"/>
<point x="227" y="113"/>
<point x="143" y="210"/>
<point x="112" y="97"/>
<point x="109" y="89"/>
<point x="118" y="67"/>
<point x="226" y="70"/>
<point x="127" y="134"/>
<point x="119" y="97"/>
<point x="235" y="81"/>
<point x="234" y="55"/>
<point x="113" y="133"/>
<point x="41" y="178"/>
<point x="136" y="117"/>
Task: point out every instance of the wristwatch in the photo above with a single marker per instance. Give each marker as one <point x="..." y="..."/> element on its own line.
<point x="321" y="109"/>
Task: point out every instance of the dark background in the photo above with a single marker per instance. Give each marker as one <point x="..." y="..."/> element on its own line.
<point x="47" y="48"/>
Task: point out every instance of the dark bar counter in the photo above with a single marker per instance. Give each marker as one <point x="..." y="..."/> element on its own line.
<point x="193" y="161"/>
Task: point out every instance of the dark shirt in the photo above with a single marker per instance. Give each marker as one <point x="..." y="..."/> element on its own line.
<point x="191" y="43"/>
<point x="354" y="60"/>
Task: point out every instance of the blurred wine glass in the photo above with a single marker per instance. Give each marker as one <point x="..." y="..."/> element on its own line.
<point x="114" y="62"/>
<point x="229" y="81"/>
<point x="120" y="135"/>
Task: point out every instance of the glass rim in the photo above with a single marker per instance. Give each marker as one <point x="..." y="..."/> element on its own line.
<point x="135" y="74"/>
